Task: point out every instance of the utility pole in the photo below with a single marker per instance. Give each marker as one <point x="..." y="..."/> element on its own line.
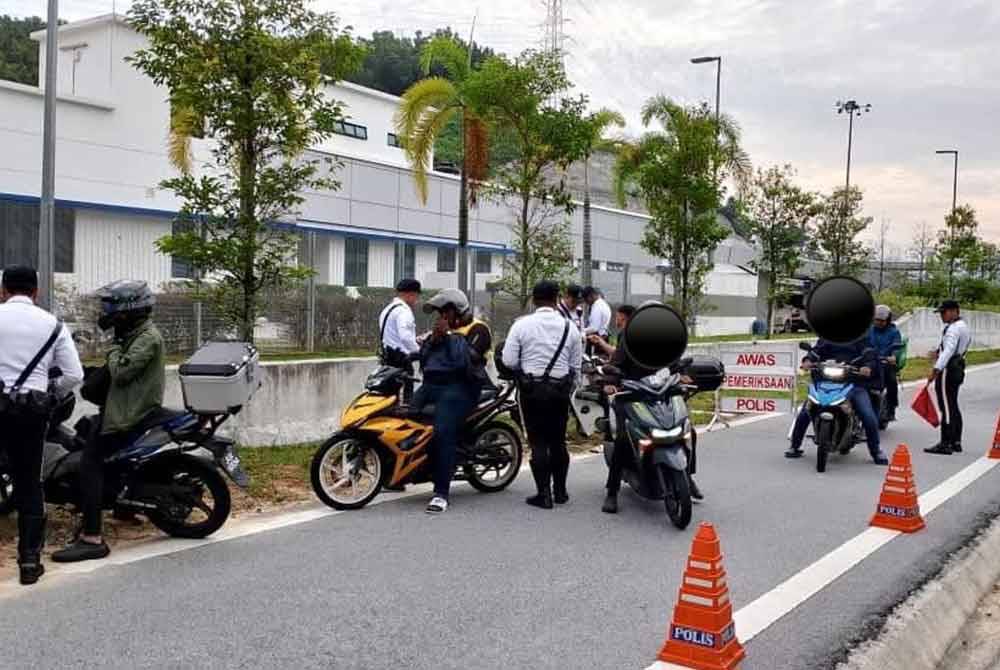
<point x="951" y="227"/>
<point x="46" y="236"/>
<point x="852" y="109"/>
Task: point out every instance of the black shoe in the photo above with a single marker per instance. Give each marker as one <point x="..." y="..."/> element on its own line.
<point x="81" y="550"/>
<point x="395" y="488"/>
<point x="31" y="540"/>
<point x="956" y="447"/>
<point x="880" y="459"/>
<point x="891" y="418"/>
<point x="560" y="497"/>
<point x="794" y="453"/>
<point x="696" y="493"/>
<point x="542" y="500"/>
<point x="610" y="505"/>
<point x="941" y="449"/>
<point x="31" y="572"/>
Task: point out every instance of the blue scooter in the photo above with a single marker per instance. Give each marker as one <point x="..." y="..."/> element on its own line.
<point x="836" y="426"/>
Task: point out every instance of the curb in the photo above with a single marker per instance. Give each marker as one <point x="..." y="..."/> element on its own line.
<point x="920" y="630"/>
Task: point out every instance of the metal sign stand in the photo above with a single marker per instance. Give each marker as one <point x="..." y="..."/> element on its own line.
<point x="717" y="412"/>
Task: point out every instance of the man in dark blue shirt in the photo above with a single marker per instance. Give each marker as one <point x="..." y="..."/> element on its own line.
<point x="845" y="353"/>
<point x="887" y="341"/>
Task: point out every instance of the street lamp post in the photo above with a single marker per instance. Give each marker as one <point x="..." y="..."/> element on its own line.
<point x="46" y="255"/>
<point x="951" y="228"/>
<point x="718" y="82"/>
<point x="852" y="108"/>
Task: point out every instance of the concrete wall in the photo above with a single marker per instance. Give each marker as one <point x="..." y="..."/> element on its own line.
<point x="923" y="328"/>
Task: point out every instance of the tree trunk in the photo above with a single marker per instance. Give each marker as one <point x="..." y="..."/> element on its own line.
<point x="586" y="274"/>
<point x="462" y="258"/>
<point x="526" y="259"/>
<point x="248" y="205"/>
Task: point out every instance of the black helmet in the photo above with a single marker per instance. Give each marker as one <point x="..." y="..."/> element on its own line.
<point x="128" y="297"/>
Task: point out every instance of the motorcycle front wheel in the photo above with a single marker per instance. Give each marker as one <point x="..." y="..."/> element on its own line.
<point x="197" y="503"/>
<point x="824" y="442"/>
<point x="346" y="473"/>
<point x="677" y="496"/>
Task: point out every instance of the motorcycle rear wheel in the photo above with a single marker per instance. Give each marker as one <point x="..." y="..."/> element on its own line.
<point x="335" y="466"/>
<point x="494" y="437"/>
<point x="191" y="479"/>
<point x="677" y="496"/>
<point x="824" y="442"/>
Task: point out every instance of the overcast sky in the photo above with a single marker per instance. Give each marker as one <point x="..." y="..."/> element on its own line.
<point x="927" y="67"/>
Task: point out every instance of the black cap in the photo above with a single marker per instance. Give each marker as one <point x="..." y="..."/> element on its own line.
<point x="946" y="305"/>
<point x="408" y="286"/>
<point x="574" y="291"/>
<point x="20" y="279"/>
<point x="545" y="291"/>
<point x="590" y="291"/>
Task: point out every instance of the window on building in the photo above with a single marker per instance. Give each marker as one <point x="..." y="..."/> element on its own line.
<point x="348" y="129"/>
<point x="406" y="261"/>
<point x="181" y="268"/>
<point x="616" y="267"/>
<point x="446" y="259"/>
<point x="595" y="265"/>
<point x="484" y="263"/>
<point x="19" y="222"/>
<point x="355" y="261"/>
<point x="393" y="140"/>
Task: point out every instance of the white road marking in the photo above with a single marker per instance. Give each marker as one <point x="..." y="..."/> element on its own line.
<point x="760" y="614"/>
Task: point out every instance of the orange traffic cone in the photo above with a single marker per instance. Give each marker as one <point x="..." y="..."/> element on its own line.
<point x="702" y="635"/>
<point x="898" y="507"/>
<point x="995" y="449"/>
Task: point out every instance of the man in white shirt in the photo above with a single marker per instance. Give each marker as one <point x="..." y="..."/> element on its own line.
<point x="599" y="314"/>
<point x="398" y="328"/>
<point x="948" y="374"/>
<point x="34" y="343"/>
<point x="571" y="300"/>
<point x="545" y="350"/>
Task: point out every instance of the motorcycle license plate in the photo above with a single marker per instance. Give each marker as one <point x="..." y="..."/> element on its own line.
<point x="230" y="462"/>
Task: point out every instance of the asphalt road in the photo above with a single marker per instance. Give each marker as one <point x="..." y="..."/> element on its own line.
<point x="495" y="584"/>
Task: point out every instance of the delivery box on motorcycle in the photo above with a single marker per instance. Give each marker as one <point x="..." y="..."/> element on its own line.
<point x="706" y="372"/>
<point x="220" y="378"/>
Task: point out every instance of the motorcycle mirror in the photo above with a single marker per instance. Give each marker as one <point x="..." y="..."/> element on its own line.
<point x="840" y="309"/>
<point x="655" y="337"/>
<point x="805" y="346"/>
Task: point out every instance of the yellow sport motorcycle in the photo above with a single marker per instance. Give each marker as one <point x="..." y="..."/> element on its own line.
<point x="383" y="442"/>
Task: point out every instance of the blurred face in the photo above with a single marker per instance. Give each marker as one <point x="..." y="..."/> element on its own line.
<point x="591" y="299"/>
<point x="409" y="298"/>
<point x="949" y="315"/>
<point x="570" y="301"/>
<point x="881" y="324"/>
<point x="620" y="320"/>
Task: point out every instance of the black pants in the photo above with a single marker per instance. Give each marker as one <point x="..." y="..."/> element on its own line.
<point x="891" y="389"/>
<point x="23" y="437"/>
<point x="947" y="386"/>
<point x="98" y="448"/>
<point x="545" y="408"/>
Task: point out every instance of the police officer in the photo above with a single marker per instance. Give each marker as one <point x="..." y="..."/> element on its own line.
<point x="34" y="343"/>
<point x="948" y="374"/>
<point x="398" y="328"/>
<point x="598" y="313"/>
<point x="569" y="304"/>
<point x="545" y="351"/>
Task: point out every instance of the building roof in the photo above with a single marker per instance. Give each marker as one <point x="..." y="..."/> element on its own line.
<point x="73" y="26"/>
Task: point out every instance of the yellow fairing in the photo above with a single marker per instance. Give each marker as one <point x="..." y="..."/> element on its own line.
<point x="364" y="406"/>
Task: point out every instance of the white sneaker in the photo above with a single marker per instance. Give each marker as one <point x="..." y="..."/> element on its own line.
<point x="437" y="505"/>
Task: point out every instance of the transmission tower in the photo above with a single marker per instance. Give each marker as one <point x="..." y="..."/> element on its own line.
<point x="554" y="39"/>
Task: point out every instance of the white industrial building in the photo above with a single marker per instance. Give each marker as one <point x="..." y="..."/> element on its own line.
<point x="112" y="125"/>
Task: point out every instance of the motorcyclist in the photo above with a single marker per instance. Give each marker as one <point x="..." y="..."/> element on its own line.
<point x="628" y="369"/>
<point x="136" y="372"/>
<point x="886" y="339"/>
<point x="451" y="383"/>
<point x="860" y="400"/>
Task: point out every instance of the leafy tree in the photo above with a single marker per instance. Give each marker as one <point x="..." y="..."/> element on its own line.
<point x="777" y="214"/>
<point x="18" y="53"/>
<point x="957" y="247"/>
<point x="597" y="125"/>
<point x="516" y="95"/>
<point x="680" y="171"/>
<point x="249" y="73"/>
<point x="426" y="109"/>
<point x="840" y="223"/>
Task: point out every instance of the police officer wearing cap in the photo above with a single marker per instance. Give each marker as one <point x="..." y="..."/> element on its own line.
<point x="948" y="374"/>
<point x="34" y="343"/>
<point x="398" y="328"/>
<point x="570" y="303"/>
<point x="545" y="351"/>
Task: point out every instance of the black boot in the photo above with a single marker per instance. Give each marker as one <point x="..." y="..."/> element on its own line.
<point x="940" y="448"/>
<point x="794" y="452"/>
<point x="559" y="493"/>
<point x="542" y="499"/>
<point x="696" y="493"/>
<point x="610" y="505"/>
<point x="31" y="539"/>
<point x="956" y="447"/>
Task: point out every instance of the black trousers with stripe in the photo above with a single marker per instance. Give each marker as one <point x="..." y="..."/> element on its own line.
<point x="947" y="386"/>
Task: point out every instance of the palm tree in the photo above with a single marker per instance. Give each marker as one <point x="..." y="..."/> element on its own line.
<point x="425" y="110"/>
<point x="597" y="123"/>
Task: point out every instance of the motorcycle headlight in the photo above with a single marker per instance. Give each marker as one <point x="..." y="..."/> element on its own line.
<point x="659" y="434"/>
<point x="834" y="372"/>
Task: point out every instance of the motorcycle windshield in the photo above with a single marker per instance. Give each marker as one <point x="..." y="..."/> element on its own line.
<point x="663" y="414"/>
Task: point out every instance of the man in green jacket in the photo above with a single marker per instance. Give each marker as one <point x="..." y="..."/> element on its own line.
<point x="137" y="377"/>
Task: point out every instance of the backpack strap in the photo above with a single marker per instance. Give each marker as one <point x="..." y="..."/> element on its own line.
<point x="16" y="388"/>
<point x="381" y="334"/>
<point x="559" y="350"/>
